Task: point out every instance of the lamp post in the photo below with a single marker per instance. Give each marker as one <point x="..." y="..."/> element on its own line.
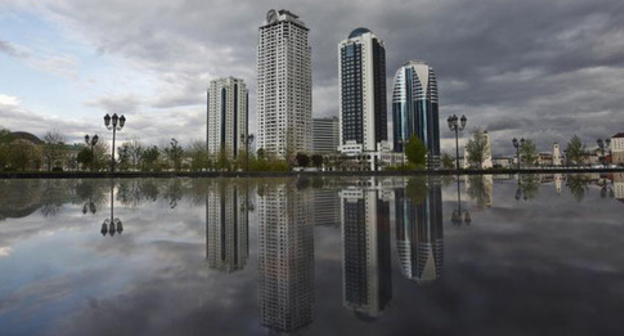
<point x="602" y="145"/>
<point x="518" y="144"/>
<point x="91" y="143"/>
<point x="247" y="139"/>
<point x="113" y="224"/>
<point x="117" y="124"/>
<point x="402" y="143"/>
<point x="457" y="125"/>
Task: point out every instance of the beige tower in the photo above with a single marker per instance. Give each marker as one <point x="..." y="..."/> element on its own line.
<point x="556" y="155"/>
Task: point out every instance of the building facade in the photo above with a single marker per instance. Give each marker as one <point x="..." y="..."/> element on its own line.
<point x="228" y="112"/>
<point x="362" y="69"/>
<point x="325" y="135"/>
<point x="415" y="109"/>
<point x="284" y="108"/>
<point x="617" y="148"/>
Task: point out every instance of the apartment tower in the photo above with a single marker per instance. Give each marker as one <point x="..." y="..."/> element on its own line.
<point x="284" y="117"/>
<point x="227" y="116"/>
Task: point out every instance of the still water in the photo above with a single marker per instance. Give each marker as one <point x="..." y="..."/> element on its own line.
<point x="478" y="255"/>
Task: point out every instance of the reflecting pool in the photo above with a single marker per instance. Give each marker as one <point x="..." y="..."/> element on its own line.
<point x="486" y="255"/>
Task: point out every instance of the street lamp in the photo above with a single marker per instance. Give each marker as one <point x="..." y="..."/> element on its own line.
<point x="456" y="126"/>
<point x="117" y="124"/>
<point x="518" y="144"/>
<point x="402" y="142"/>
<point x="113" y="224"/>
<point x="602" y="145"/>
<point x="93" y="141"/>
<point x="247" y="139"/>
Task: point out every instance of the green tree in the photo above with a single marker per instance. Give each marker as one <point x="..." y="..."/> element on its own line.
<point x="478" y="148"/>
<point x="317" y="160"/>
<point x="124" y="161"/>
<point x="5" y="140"/>
<point x="85" y="158"/>
<point x="136" y="149"/>
<point x="528" y="153"/>
<point x="53" y="148"/>
<point x="198" y="155"/>
<point x="416" y="152"/>
<point x="303" y="160"/>
<point x="150" y="159"/>
<point x="575" y="151"/>
<point x="24" y="155"/>
<point x="447" y="161"/>
<point x="175" y="153"/>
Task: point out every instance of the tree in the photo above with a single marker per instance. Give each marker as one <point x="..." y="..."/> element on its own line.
<point x="54" y="142"/>
<point x="478" y="148"/>
<point x="23" y="155"/>
<point x="198" y="154"/>
<point x="150" y="159"/>
<point x="136" y="149"/>
<point x="303" y="160"/>
<point x="416" y="152"/>
<point x="174" y="154"/>
<point x="85" y="158"/>
<point x="447" y="161"/>
<point x="317" y="160"/>
<point x="528" y="153"/>
<point x="575" y="150"/>
<point x="5" y="140"/>
<point x="124" y="160"/>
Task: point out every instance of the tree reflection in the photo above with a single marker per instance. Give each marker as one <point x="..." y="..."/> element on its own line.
<point x="578" y="186"/>
<point x="528" y="187"/>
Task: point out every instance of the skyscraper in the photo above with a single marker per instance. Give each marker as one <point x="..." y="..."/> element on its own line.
<point x="227" y="227"/>
<point x="367" y="281"/>
<point x="415" y="109"/>
<point x="284" y="117"/>
<point x="362" y="67"/>
<point x="285" y="257"/>
<point x="227" y="116"/>
<point x="325" y="135"/>
<point x="419" y="233"/>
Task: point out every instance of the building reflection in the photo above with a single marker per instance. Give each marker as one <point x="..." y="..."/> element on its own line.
<point x="227" y="226"/>
<point x="285" y="256"/>
<point x="419" y="233"/>
<point x="367" y="279"/>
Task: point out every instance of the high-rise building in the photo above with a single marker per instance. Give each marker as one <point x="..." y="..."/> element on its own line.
<point x="419" y="234"/>
<point x="284" y="116"/>
<point x="415" y="109"/>
<point x="227" y="116"/>
<point x="362" y="68"/>
<point x="285" y="257"/>
<point x="227" y="227"/>
<point x="325" y="135"/>
<point x="367" y="280"/>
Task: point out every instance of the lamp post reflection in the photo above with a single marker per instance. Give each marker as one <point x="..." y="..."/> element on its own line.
<point x="113" y="224"/>
<point x="460" y="216"/>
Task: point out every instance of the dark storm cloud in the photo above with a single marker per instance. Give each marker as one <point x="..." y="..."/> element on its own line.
<point x="523" y="68"/>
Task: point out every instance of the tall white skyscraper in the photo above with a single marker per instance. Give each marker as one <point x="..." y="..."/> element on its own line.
<point x="284" y="117"/>
<point x="227" y="116"/>
<point x="362" y="67"/>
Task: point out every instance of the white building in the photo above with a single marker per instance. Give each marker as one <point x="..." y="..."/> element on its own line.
<point x="227" y="116"/>
<point x="325" y="135"/>
<point x="617" y="148"/>
<point x="557" y="159"/>
<point x="284" y="117"/>
<point x="362" y="69"/>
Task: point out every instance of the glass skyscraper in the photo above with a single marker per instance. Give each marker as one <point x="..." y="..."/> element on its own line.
<point x="415" y="109"/>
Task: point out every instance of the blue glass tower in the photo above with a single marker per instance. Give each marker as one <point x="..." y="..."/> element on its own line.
<point x="415" y="109"/>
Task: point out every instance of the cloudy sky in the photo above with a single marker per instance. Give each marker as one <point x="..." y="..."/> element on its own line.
<point x="543" y="70"/>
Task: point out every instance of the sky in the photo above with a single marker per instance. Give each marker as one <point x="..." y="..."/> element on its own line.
<point x="542" y="70"/>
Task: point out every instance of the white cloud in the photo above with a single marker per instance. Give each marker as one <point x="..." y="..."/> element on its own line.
<point x="8" y="100"/>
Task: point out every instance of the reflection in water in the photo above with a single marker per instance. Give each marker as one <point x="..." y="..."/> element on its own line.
<point x="460" y="216"/>
<point x="419" y="234"/>
<point x="285" y="256"/>
<point x="113" y="224"/>
<point x="367" y="279"/>
<point x="480" y="188"/>
<point x="227" y="226"/>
